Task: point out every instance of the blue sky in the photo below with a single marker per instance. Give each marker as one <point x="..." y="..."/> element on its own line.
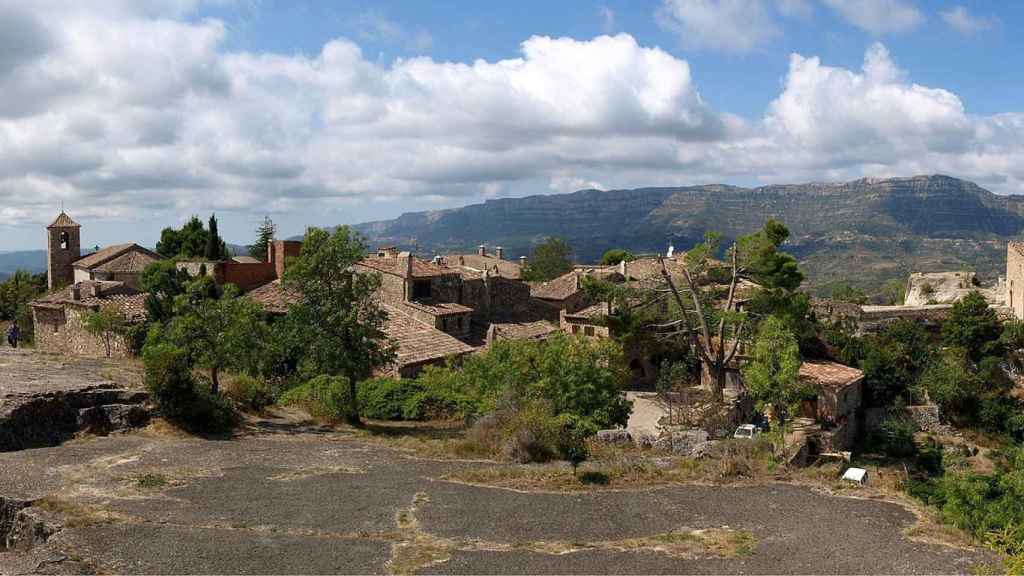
<point x="136" y="114"/>
<point x="974" y="67"/>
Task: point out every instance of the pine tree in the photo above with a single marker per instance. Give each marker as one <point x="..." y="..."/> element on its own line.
<point x="214" y="245"/>
<point x="264" y="236"/>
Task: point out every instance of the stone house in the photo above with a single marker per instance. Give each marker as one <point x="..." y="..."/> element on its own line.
<point x="58" y="317"/>
<point x="246" y="272"/>
<point x="417" y="344"/>
<point x="119" y="263"/>
<point x="108" y="277"/>
<point x="836" y="407"/>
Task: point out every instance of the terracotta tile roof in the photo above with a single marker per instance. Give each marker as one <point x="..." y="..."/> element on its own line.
<point x="64" y="221"/>
<point x="558" y="289"/>
<point x="570" y="283"/>
<point x="246" y="260"/>
<point x="534" y="330"/>
<point x="417" y="342"/>
<point x="392" y="265"/>
<point x="92" y="294"/>
<point x="130" y="261"/>
<point x="829" y="374"/>
<point x="477" y="263"/>
<point x="591" y="312"/>
<point x="439" y="308"/>
<point x="274" y="298"/>
<point x="104" y="255"/>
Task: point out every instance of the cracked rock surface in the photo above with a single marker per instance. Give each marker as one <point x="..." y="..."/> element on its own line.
<point x="311" y="501"/>
<point x="284" y="497"/>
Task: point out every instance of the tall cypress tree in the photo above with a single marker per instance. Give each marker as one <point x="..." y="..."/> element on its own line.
<point x="264" y="236"/>
<point x="214" y="246"/>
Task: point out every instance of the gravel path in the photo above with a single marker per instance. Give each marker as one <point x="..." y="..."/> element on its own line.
<point x="647" y="411"/>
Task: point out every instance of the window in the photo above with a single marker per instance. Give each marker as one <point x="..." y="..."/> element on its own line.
<point x="444" y="324"/>
<point x="588" y="331"/>
<point x="421" y="289"/>
<point x="575" y="329"/>
<point x="64" y="240"/>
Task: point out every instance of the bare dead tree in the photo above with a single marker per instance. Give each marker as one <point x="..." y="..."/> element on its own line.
<point x="710" y="346"/>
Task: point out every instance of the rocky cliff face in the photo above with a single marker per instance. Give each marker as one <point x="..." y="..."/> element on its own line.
<point x="865" y="231"/>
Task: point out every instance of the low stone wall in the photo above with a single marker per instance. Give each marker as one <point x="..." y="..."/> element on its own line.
<point x="925" y="417"/>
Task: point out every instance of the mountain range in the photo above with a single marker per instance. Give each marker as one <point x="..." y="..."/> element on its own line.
<point x="864" y="232"/>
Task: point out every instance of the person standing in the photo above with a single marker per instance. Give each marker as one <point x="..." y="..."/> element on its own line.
<point x="13" y="334"/>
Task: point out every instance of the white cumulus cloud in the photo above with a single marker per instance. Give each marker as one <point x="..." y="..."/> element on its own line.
<point x="731" y="25"/>
<point x="878" y="16"/>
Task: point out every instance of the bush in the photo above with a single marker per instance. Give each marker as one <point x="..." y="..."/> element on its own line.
<point x="386" y="398"/>
<point x="252" y="393"/>
<point x="181" y="399"/>
<point x="325" y="397"/>
<point x="895" y="437"/>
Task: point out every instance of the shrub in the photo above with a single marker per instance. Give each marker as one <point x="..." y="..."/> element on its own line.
<point x="386" y="398"/>
<point x="181" y="399"/>
<point x="252" y="393"/>
<point x="895" y="437"/>
<point x="325" y="397"/>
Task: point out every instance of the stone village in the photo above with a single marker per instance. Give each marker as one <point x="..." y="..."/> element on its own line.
<point x="453" y="305"/>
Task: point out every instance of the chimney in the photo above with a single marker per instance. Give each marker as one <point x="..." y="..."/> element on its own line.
<point x="405" y="264"/>
<point x="270" y="251"/>
<point x="95" y="290"/>
<point x="500" y="253"/>
<point x="481" y="250"/>
<point x="284" y="249"/>
<point x="522" y="261"/>
<point x="622" y="268"/>
<point x="76" y="292"/>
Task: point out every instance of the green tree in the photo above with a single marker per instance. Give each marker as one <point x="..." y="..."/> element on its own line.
<point x="772" y="375"/>
<point x="215" y="247"/>
<point x="188" y="242"/>
<point x="764" y="263"/>
<point x="264" y="236"/>
<point x="1012" y="340"/>
<point x="844" y="292"/>
<point x="217" y="332"/>
<point x="163" y="281"/>
<point x="107" y="323"/>
<point x="549" y="260"/>
<point x="894" y="292"/>
<point x="16" y="293"/>
<point x="893" y="361"/>
<point x="973" y="326"/>
<point x="344" y="323"/>
<point x="616" y="255"/>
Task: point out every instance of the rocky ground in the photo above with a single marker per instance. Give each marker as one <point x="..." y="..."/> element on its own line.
<point x="285" y="496"/>
<point x="46" y="399"/>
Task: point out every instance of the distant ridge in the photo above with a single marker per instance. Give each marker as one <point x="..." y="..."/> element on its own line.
<point x="866" y="231"/>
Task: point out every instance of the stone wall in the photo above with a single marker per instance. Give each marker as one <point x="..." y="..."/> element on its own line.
<point x="925" y="417"/>
<point x="392" y="288"/>
<point x="247" y="275"/>
<point x="62" y="332"/>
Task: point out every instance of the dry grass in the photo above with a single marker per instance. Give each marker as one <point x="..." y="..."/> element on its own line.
<point x="78" y="515"/>
<point x="630" y="468"/>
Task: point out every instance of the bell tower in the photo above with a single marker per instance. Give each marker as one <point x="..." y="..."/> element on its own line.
<point x="63" y="248"/>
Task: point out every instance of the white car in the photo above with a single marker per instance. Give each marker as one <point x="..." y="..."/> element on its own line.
<point x="746" y="432"/>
